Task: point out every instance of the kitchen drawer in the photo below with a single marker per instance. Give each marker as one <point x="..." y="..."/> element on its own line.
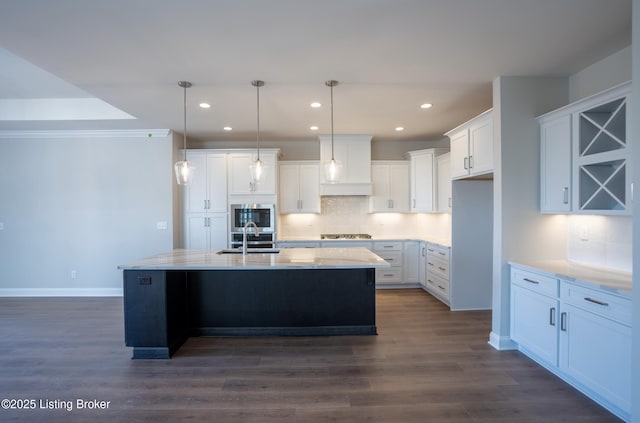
<point x="392" y="257"/>
<point x="438" y="267"/>
<point x="390" y="275"/>
<point x="387" y="246"/>
<point x="438" y="251"/>
<point x="597" y="301"/>
<point x="536" y="282"/>
<point x="438" y="285"/>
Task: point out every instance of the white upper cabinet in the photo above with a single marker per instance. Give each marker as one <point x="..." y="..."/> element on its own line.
<point x="585" y="146"/>
<point x="240" y="181"/>
<point x="423" y="186"/>
<point x="299" y="187"/>
<point x="555" y="164"/>
<point x="472" y="147"/>
<point x="353" y="152"/>
<point x="207" y="192"/>
<point x="390" y="192"/>
<point x="443" y="168"/>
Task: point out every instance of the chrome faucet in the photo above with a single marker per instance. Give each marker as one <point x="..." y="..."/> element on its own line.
<point x="244" y="235"/>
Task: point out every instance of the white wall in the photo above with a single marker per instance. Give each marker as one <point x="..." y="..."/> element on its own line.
<point x="608" y="72"/>
<point x="519" y="230"/>
<point x="84" y="203"/>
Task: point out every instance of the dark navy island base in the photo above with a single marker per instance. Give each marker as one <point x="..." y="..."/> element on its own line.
<point x="162" y="308"/>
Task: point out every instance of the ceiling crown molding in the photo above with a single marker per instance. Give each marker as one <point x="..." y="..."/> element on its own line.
<point x="98" y="133"/>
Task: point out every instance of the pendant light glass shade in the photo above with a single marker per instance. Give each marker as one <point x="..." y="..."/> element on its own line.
<point x="183" y="168"/>
<point x="332" y="167"/>
<point x="257" y="166"/>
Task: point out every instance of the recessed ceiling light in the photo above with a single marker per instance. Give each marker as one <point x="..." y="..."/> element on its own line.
<point x="315" y="105"/>
<point x="227" y="128"/>
<point x="426" y="106"/>
<point x="205" y="105"/>
<point x="314" y="128"/>
<point x="399" y="128"/>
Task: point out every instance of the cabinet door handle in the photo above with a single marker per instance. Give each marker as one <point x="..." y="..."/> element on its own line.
<point x="591" y="300"/>
<point x="563" y="321"/>
<point x="449" y="202"/>
<point x="470" y="162"/>
<point x="466" y="163"/>
<point x="414" y="203"/>
<point x="531" y="281"/>
<point x="552" y="316"/>
<point x="204" y="206"/>
<point x="565" y="193"/>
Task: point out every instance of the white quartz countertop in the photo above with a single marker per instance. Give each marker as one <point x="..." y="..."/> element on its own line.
<point x="287" y="258"/>
<point x="566" y="269"/>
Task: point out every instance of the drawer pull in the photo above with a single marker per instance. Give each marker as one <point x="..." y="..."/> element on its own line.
<point x="552" y="316"/>
<point x="531" y="281"/>
<point x="431" y="249"/>
<point x="388" y="275"/>
<point x="442" y="268"/>
<point x="430" y="264"/>
<point x="441" y="287"/>
<point x="591" y="300"/>
<point x="441" y="253"/>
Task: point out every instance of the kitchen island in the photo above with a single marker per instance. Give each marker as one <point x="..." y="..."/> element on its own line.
<point x="296" y="291"/>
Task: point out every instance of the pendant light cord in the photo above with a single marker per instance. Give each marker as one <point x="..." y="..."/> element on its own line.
<point x="184" y="143"/>
<point x="331" y="85"/>
<point x="258" y="119"/>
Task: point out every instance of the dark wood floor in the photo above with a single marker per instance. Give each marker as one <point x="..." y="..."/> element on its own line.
<point x="426" y="365"/>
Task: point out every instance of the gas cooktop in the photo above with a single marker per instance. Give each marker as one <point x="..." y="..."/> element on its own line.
<point x="345" y="236"/>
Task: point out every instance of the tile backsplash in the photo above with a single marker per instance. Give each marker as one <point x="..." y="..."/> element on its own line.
<point x="600" y="240"/>
<point x="350" y="214"/>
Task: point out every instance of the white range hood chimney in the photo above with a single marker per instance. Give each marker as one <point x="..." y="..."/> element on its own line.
<point x="353" y="153"/>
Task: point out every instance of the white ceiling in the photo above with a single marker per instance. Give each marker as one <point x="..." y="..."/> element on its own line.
<point x="389" y="56"/>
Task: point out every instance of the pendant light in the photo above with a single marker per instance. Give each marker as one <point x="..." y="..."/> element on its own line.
<point x="184" y="169"/>
<point x="257" y="167"/>
<point x="332" y="168"/>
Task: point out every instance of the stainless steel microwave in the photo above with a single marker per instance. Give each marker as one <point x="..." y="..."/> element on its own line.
<point x="263" y="215"/>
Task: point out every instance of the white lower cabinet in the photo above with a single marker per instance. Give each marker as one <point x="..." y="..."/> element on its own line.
<point x="391" y="252"/>
<point x="582" y="334"/>
<point x="437" y="271"/>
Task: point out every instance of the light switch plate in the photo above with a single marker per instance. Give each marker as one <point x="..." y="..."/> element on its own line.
<point x="162" y="225"/>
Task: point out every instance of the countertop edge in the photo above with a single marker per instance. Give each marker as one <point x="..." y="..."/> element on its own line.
<point x="593" y="277"/>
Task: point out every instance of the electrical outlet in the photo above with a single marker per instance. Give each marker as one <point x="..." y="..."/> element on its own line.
<point x="584" y="233"/>
<point x="162" y="225"/>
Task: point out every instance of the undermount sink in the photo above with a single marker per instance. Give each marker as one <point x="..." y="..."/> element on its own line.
<point x="250" y="251"/>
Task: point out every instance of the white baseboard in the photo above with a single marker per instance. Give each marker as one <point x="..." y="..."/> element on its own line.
<point x="60" y="292"/>
<point x="501" y="343"/>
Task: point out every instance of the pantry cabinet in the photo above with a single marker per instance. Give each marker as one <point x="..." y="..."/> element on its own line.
<point x="390" y="190"/>
<point x="472" y="147"/>
<point x="299" y="190"/>
<point x="585" y="166"/>
<point x="207" y="192"/>
<point x="240" y="180"/>
<point x="580" y="332"/>
<point x="206" y="231"/>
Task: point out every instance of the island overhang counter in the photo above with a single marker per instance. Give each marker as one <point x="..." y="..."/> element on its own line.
<point x="297" y="291"/>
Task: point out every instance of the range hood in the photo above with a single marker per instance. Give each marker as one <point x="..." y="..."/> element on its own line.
<point x="353" y="152"/>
